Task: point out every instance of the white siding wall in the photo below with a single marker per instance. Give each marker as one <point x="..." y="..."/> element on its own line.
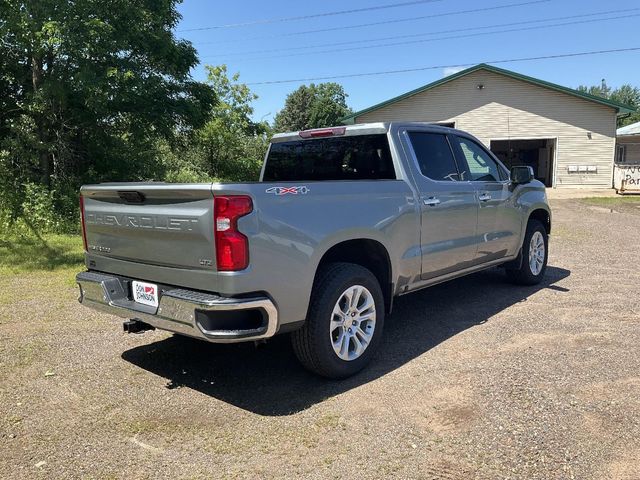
<point x="508" y="108"/>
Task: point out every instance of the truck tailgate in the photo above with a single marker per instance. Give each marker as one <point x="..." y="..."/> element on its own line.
<point x="154" y="223"/>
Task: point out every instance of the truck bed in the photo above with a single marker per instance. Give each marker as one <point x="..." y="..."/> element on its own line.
<point x="168" y="236"/>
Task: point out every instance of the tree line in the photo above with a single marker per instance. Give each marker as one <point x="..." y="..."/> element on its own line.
<point x="94" y="91"/>
<point x="627" y="94"/>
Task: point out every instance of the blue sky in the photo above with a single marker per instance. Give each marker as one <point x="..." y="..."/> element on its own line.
<point x="282" y="52"/>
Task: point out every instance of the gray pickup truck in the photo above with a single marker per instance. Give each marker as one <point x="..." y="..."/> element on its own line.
<point x="342" y="220"/>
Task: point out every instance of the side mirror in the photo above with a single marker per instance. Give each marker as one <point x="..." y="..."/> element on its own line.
<point x="521" y="175"/>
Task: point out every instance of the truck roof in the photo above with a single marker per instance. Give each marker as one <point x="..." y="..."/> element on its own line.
<point x="356" y="129"/>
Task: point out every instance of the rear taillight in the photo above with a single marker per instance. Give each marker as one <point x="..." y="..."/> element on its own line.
<point x="84" y="230"/>
<point x="232" y="247"/>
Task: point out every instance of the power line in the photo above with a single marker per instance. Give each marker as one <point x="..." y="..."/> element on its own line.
<point x="436" y="67"/>
<point x="451" y="37"/>
<point x="383" y="22"/>
<point x="431" y="33"/>
<point x="265" y="21"/>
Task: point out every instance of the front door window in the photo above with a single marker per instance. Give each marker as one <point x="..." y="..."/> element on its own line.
<point x="478" y="166"/>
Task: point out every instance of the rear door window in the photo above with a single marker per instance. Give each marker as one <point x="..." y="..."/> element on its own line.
<point x="434" y="156"/>
<point x="361" y="157"/>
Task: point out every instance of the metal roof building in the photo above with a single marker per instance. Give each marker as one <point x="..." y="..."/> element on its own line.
<point x="633" y="129"/>
<point x="567" y="136"/>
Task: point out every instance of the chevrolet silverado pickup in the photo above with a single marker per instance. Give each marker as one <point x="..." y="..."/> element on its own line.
<point x="341" y="221"/>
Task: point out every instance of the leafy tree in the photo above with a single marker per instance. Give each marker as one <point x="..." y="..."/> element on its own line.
<point x="602" y="90"/>
<point x="296" y="112"/>
<point x="626" y="94"/>
<point x="230" y="146"/>
<point x="313" y="106"/>
<point x="87" y="87"/>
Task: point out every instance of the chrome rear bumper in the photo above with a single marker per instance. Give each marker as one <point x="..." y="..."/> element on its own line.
<point x="180" y="311"/>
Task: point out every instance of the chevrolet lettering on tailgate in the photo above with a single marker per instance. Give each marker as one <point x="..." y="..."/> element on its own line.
<point x="157" y="222"/>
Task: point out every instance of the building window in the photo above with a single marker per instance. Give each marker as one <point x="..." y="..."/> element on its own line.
<point x="621" y="154"/>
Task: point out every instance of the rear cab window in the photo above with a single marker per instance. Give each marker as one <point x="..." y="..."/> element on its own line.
<point x="358" y="157"/>
<point x="434" y="156"/>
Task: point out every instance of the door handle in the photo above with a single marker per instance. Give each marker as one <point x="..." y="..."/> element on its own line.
<point x="431" y="201"/>
<point x="484" y="197"/>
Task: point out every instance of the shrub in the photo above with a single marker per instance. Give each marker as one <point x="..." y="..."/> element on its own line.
<point x="37" y="213"/>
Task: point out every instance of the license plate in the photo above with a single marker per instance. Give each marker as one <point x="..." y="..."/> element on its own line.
<point x="145" y="293"/>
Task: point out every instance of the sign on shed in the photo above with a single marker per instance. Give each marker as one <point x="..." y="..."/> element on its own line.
<point x="626" y="178"/>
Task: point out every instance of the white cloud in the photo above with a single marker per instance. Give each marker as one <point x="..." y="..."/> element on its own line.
<point x="451" y="70"/>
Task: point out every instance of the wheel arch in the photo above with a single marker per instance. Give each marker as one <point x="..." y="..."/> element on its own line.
<point x="368" y="253"/>
<point x="543" y="216"/>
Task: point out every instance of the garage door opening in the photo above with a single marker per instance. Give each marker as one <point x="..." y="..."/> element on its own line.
<point x="536" y="153"/>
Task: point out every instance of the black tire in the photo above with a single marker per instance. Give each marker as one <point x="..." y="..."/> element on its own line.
<point x="524" y="275"/>
<point x="312" y="343"/>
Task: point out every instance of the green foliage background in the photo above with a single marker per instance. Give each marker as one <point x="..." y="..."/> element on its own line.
<point x="313" y="106"/>
<point x="94" y="91"/>
<point x="626" y="94"/>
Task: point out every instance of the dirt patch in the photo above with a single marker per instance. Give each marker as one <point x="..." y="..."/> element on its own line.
<point x="625" y="466"/>
<point x="629" y="204"/>
<point x="476" y="378"/>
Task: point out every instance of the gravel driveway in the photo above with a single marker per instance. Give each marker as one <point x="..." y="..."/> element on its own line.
<point x="476" y="379"/>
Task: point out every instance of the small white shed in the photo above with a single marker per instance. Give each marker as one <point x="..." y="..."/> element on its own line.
<point x="627" y="168"/>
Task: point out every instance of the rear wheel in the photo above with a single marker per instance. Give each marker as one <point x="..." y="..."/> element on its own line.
<point x="344" y="324"/>
<point x="534" y="256"/>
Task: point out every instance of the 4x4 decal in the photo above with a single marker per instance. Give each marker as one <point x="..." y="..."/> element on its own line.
<point x="288" y="190"/>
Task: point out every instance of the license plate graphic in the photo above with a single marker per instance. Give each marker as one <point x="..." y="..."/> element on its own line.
<point x="145" y="293"/>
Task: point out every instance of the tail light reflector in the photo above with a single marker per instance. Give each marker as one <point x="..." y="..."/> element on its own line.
<point x="232" y="247"/>
<point x="84" y="229"/>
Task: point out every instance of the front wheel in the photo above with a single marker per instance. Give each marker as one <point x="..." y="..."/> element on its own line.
<point x="344" y="324"/>
<point x="535" y="252"/>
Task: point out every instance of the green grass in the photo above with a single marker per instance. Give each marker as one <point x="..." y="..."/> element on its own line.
<point x="613" y="201"/>
<point x="50" y="252"/>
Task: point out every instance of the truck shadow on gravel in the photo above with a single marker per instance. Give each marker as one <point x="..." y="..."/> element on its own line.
<point x="268" y="380"/>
